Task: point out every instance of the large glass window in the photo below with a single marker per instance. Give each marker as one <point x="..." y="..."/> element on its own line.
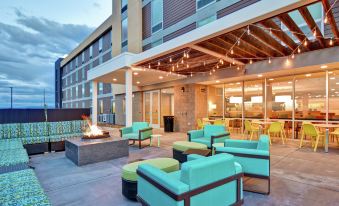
<point x="124" y="5"/>
<point x="157" y="15"/>
<point x="310" y="96"/>
<point x="204" y="3"/>
<point x="101" y="87"/>
<point x="124" y="33"/>
<point x="333" y="114"/>
<point x="167" y="104"/>
<point x="91" y="52"/>
<point x="101" y="41"/>
<point x="254" y="99"/>
<point x="233" y="100"/>
<point x="215" y="104"/>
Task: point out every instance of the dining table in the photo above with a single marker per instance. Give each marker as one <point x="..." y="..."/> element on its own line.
<point x="327" y="128"/>
<point x="262" y="124"/>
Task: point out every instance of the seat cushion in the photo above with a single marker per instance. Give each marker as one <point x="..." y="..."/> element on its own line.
<point x="165" y="164"/>
<point x="175" y="175"/>
<point x="9" y="144"/>
<point x="13" y="157"/>
<point x="136" y="126"/>
<point x="131" y="136"/>
<point x="35" y="140"/>
<point x="185" y="145"/>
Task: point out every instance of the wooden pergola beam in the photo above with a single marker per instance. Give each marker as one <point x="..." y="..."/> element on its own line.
<point x="244" y="45"/>
<point x="216" y="54"/>
<point x="312" y="25"/>
<point x="255" y="43"/>
<point x="330" y="17"/>
<point x="277" y="32"/>
<point x="219" y="49"/>
<point x="244" y="50"/>
<point x="268" y="40"/>
<point x="293" y="27"/>
<point x="236" y="50"/>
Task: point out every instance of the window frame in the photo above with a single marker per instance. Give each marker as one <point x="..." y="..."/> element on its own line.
<point x="196" y="4"/>
<point x="162" y="17"/>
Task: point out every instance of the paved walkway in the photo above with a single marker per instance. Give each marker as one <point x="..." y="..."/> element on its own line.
<point x="299" y="176"/>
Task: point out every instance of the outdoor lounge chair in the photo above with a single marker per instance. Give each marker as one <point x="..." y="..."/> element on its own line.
<point x="209" y="135"/>
<point x="139" y="131"/>
<point x="253" y="156"/>
<point x="214" y="180"/>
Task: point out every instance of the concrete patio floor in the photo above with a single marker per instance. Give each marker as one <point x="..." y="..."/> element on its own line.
<point x="298" y="176"/>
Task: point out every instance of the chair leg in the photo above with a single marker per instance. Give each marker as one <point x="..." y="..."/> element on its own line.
<point x="139" y="144"/>
<point x="282" y="137"/>
<point x="316" y="143"/>
<point x="251" y="136"/>
<point x="269" y="137"/>
<point x="301" y="140"/>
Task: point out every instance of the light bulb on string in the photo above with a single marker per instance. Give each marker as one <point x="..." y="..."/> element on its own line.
<point x="239" y="42"/>
<point x="269" y="60"/>
<point x="182" y="61"/>
<point x="232" y="51"/>
<point x="305" y="42"/>
<point x="292" y="56"/>
<point x="158" y="63"/>
<point x="191" y="74"/>
<point x="248" y="30"/>
<point x="314" y="33"/>
<point x="271" y="31"/>
<point x="213" y="70"/>
<point x="217" y="66"/>
<point x="187" y="55"/>
<point x="173" y="68"/>
<point x="233" y="62"/>
<point x="170" y="59"/>
<point x="210" y="73"/>
<point x="238" y="68"/>
<point x="299" y="50"/>
<point x="287" y="60"/>
<point x="331" y="42"/>
<point x="251" y="61"/>
<point x="325" y="20"/>
<point x="187" y="66"/>
<point x="184" y="55"/>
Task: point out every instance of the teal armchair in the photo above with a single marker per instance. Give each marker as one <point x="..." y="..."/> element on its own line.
<point x="254" y="157"/>
<point x="214" y="180"/>
<point x="139" y="131"/>
<point x="209" y="134"/>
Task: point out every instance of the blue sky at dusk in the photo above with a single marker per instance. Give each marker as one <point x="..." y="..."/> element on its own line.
<point x="33" y="34"/>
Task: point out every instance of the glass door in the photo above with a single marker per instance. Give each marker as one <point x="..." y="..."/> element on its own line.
<point x="152" y="108"/>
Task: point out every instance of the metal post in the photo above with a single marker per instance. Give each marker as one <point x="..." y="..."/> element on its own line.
<point x="293" y="109"/>
<point x="327" y="110"/>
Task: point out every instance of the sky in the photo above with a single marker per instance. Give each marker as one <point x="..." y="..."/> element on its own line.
<point x="33" y="35"/>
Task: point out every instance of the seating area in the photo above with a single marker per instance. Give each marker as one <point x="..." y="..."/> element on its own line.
<point x="40" y="137"/>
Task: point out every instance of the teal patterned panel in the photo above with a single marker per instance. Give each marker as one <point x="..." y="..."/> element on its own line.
<point x="9" y="144"/>
<point x="21" y="188"/>
<point x="79" y="126"/>
<point x="1" y="131"/>
<point x="26" y="130"/>
<point x="11" y="131"/>
<point x="35" y="140"/>
<point x="54" y="128"/>
<point x="39" y="129"/>
<point x="66" y="127"/>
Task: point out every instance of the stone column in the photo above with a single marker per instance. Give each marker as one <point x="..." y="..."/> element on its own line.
<point x="94" y="102"/>
<point x="129" y="99"/>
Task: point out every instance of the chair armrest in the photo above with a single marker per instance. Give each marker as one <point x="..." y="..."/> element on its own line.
<point x="145" y="133"/>
<point x="243" y="152"/>
<point x="246" y="144"/>
<point x="193" y="134"/>
<point x="125" y="130"/>
<point x="161" y="180"/>
<point x="224" y="135"/>
<point x="192" y="157"/>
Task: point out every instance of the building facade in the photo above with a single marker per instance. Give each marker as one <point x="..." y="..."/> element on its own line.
<point x="148" y="36"/>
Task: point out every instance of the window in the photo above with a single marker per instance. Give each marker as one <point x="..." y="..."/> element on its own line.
<point x="83" y="89"/>
<point x="83" y="73"/>
<point x="124" y="33"/>
<point x="157" y="15"/>
<point x="91" y="52"/>
<point x="90" y="88"/>
<point x="156" y="43"/>
<point x="76" y="105"/>
<point x="101" y="87"/>
<point x="206" y="20"/>
<point x="83" y="57"/>
<point x="83" y="104"/>
<point x="113" y="106"/>
<point x="76" y="62"/>
<point x="101" y="40"/>
<point x="124" y="5"/>
<point x="333" y="95"/>
<point x="76" y="76"/>
<point x="70" y="93"/>
<point x="254" y="99"/>
<point x="101" y="106"/>
<point x="203" y="3"/>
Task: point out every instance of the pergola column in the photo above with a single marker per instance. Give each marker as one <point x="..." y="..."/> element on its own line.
<point x="129" y="99"/>
<point x="94" y="102"/>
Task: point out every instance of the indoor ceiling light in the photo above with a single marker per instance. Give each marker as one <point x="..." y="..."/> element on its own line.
<point x="114" y="79"/>
<point x="323" y="66"/>
<point x="332" y="78"/>
<point x="138" y="82"/>
<point x="135" y="73"/>
<point x="217" y="81"/>
<point x="161" y="77"/>
<point x="271" y="79"/>
<point x="308" y="75"/>
<point x="259" y="75"/>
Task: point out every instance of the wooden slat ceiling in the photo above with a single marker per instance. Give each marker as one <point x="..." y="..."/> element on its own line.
<point x="264" y="40"/>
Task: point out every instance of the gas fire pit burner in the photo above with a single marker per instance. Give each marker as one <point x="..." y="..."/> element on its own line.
<point x="105" y="134"/>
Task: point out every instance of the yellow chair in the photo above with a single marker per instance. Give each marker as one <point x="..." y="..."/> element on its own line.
<point x="227" y="124"/>
<point x="219" y="122"/>
<point x="200" y="124"/>
<point x="336" y="134"/>
<point x="311" y="131"/>
<point x="276" y="128"/>
<point x="250" y="128"/>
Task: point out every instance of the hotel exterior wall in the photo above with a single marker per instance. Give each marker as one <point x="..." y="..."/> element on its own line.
<point x="137" y="108"/>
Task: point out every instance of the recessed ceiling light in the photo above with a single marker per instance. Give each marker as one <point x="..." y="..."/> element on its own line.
<point x="271" y="79"/>
<point x="238" y="83"/>
<point x="138" y="82"/>
<point x="289" y="82"/>
<point x="308" y="75"/>
<point x="135" y="73"/>
<point x="332" y="78"/>
<point x="217" y="81"/>
<point x="337" y="83"/>
<point x="330" y="72"/>
<point x="161" y="77"/>
<point x="259" y="75"/>
<point x="323" y="66"/>
<point x="333" y="89"/>
<point x="115" y="79"/>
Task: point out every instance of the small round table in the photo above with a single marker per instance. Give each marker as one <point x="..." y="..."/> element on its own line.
<point x="155" y="136"/>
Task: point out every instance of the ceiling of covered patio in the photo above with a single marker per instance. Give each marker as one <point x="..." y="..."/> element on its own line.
<point x="282" y="36"/>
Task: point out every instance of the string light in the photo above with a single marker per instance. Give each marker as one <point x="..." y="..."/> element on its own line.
<point x="314" y="33"/>
<point x="325" y="20"/>
<point x="217" y="66"/>
<point x="170" y="59"/>
<point x="232" y="51"/>
<point x="177" y="65"/>
<point x="292" y="56"/>
<point x="173" y="68"/>
<point x="182" y="61"/>
<point x="187" y="66"/>
<point x="271" y="31"/>
<point x="305" y="42"/>
<point x="269" y="60"/>
<point x="149" y="66"/>
<point x="238" y="68"/>
<point x="251" y="61"/>
<point x="184" y="54"/>
<point x="299" y="50"/>
<point x="287" y="61"/>
<point x="331" y="42"/>
<point x="248" y="30"/>
<point x="191" y="74"/>
<point x="158" y="63"/>
<point x="239" y="42"/>
<point x="213" y="70"/>
<point x="210" y="73"/>
<point x="187" y="55"/>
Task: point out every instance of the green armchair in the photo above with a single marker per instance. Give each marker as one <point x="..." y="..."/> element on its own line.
<point x="214" y="180"/>
<point x="209" y="135"/>
<point x="139" y="131"/>
<point x="254" y="157"/>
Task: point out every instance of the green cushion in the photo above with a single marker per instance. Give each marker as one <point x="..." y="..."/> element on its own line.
<point x="13" y="157"/>
<point x="184" y="145"/>
<point x="165" y="164"/>
<point x="21" y="188"/>
<point x="131" y="136"/>
<point x="9" y="144"/>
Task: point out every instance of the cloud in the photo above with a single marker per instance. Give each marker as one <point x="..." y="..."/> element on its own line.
<point x="28" y="50"/>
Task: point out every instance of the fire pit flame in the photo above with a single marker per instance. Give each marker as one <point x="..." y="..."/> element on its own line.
<point x="94" y="131"/>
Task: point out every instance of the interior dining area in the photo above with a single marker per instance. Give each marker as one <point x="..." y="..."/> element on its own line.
<point x="253" y="105"/>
